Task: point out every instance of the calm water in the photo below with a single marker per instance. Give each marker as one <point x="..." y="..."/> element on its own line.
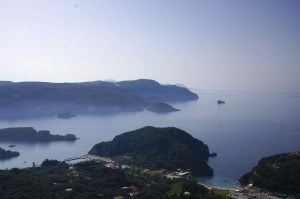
<point x="249" y="126"/>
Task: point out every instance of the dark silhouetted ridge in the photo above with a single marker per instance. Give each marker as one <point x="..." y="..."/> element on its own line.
<point x="151" y="147"/>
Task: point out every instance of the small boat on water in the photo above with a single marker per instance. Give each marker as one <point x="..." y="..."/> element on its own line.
<point x="66" y="115"/>
<point x="220" y="102"/>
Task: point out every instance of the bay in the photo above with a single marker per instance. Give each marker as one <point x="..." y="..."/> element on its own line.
<point x="247" y="127"/>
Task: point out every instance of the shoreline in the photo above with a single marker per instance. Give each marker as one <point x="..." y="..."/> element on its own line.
<point x="209" y="186"/>
<point x="219" y="180"/>
<point x="243" y="192"/>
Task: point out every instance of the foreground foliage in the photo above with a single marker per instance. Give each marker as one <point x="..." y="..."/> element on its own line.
<point x="91" y="180"/>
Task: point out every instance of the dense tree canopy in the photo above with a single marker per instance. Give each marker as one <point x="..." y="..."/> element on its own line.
<point x="57" y="180"/>
<point x="279" y="173"/>
<point x="151" y="147"/>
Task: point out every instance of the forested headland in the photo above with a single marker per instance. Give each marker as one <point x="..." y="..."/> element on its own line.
<point x="150" y="147"/>
<point x="278" y="173"/>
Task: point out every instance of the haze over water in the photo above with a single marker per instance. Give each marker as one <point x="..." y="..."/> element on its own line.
<point x="248" y="127"/>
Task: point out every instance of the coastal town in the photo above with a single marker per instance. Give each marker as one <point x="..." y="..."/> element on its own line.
<point x="247" y="192"/>
<point x="235" y="192"/>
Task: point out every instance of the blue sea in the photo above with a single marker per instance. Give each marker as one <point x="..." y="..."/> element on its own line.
<point x="249" y="126"/>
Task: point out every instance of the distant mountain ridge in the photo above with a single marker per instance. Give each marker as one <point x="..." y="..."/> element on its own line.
<point x="45" y="98"/>
<point x="150" y="90"/>
<point x="153" y="91"/>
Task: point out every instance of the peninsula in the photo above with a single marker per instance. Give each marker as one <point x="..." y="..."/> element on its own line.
<point x="30" y="134"/>
<point x="158" y="148"/>
<point x="34" y="99"/>
<point x="7" y="154"/>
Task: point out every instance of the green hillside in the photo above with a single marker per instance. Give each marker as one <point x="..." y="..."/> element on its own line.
<point x="91" y="180"/>
<point x="154" y="148"/>
<point x="279" y="173"/>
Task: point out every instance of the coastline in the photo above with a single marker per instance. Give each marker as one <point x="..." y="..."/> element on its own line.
<point x="208" y="186"/>
<point x="243" y="192"/>
<point x="219" y="180"/>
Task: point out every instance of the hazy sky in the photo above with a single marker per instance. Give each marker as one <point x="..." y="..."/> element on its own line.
<point x="224" y="45"/>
